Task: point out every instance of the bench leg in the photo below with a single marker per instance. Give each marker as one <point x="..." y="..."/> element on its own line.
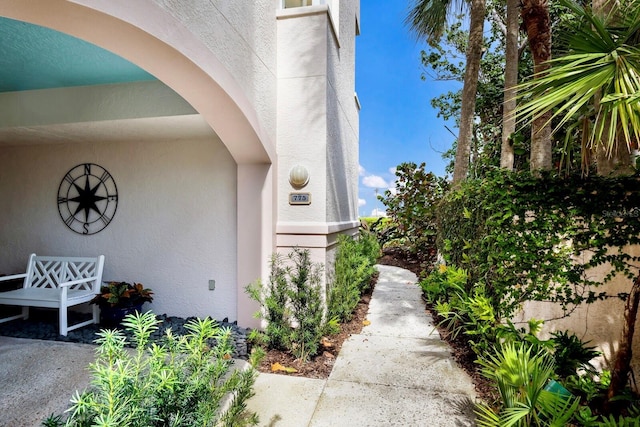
<point x="63" y="320"/>
<point x="24" y="314"/>
<point x="96" y="314"/>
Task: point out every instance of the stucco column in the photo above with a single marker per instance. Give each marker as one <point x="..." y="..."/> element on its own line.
<point x="256" y="237"/>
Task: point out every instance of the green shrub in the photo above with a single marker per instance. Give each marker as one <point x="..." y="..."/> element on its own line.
<point x="291" y="305"/>
<point x="471" y="314"/>
<point x="444" y="283"/>
<point x="521" y="375"/>
<point x="571" y="353"/>
<point x="274" y="301"/>
<point x="412" y="206"/>
<point x="354" y="267"/>
<point x="306" y="305"/>
<point x="182" y="382"/>
<point x="591" y="387"/>
<point x="587" y="419"/>
<point x="384" y="229"/>
<point x="369" y="246"/>
<point x="368" y="222"/>
<point x="536" y="239"/>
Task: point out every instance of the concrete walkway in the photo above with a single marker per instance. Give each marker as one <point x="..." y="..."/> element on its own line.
<point x="39" y="377"/>
<point x="397" y="372"/>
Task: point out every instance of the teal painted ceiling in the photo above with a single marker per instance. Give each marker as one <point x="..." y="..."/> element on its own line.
<point x="34" y="57"/>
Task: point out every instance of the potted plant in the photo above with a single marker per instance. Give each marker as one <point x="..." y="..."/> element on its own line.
<point x="117" y="299"/>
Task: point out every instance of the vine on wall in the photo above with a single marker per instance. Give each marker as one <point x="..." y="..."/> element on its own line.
<point x="526" y="238"/>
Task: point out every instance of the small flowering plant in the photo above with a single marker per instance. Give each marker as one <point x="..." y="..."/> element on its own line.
<point x="122" y="295"/>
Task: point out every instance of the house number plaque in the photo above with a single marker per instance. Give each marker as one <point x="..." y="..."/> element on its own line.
<point x="299" y="198"/>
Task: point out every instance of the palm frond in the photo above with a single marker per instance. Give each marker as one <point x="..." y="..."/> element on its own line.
<point x="428" y="18"/>
<point x="602" y="70"/>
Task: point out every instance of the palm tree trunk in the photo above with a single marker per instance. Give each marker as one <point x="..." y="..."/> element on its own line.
<point x="510" y="82"/>
<point x="535" y="17"/>
<point x="618" y="162"/>
<point x="469" y="89"/>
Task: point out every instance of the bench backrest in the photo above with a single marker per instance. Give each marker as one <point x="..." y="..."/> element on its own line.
<point x="50" y="271"/>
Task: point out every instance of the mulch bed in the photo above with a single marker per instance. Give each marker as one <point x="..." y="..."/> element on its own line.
<point x="321" y="366"/>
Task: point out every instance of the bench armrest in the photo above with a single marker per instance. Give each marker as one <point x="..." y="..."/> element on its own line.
<point x="13" y="276"/>
<point x="76" y="282"/>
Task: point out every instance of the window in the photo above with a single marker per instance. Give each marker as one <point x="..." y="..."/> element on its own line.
<point x="296" y="3"/>
<point x="299" y="3"/>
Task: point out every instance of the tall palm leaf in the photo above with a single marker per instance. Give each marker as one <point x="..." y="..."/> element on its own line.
<point x="428" y="18"/>
<point x="604" y="61"/>
<point x="520" y="373"/>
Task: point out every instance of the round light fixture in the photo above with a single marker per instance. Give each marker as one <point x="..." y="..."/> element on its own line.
<point x="298" y="176"/>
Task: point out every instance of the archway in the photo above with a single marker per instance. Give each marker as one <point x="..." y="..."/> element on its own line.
<point x="148" y="36"/>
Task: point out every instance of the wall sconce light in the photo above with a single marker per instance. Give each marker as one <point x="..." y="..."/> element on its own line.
<point x="298" y="176"/>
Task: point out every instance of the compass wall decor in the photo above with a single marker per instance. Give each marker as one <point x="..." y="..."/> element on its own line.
<point x="87" y="198"/>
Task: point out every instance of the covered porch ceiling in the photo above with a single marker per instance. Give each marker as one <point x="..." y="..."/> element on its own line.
<point x="34" y="58"/>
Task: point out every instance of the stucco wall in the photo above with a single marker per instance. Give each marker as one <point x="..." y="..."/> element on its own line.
<point x="317" y="113"/>
<point x="342" y="117"/>
<point x="302" y="110"/>
<point x="259" y="81"/>
<point x="242" y="35"/>
<point x="174" y="229"/>
<point x="600" y="322"/>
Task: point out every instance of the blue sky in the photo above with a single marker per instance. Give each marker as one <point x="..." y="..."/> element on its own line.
<point x="397" y="122"/>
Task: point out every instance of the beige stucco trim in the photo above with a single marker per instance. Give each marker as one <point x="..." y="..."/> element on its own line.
<point x="315" y="227"/>
<point x="313" y="235"/>
<point x="255" y="234"/>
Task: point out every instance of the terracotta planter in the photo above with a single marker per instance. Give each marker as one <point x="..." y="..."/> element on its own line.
<point x="112" y="316"/>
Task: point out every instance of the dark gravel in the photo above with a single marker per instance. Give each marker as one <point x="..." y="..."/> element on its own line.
<point x="43" y="325"/>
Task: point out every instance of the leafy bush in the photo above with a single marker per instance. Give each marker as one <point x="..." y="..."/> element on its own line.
<point x="591" y="387"/>
<point x="571" y="353"/>
<point x="369" y="246"/>
<point x="306" y="305"/>
<point x="444" y="283"/>
<point x="385" y="230"/>
<point x="182" y="382"/>
<point x="354" y="267"/>
<point x="473" y="315"/>
<point x="587" y="419"/>
<point x="291" y="305"/>
<point x="471" y="312"/>
<point x="411" y="206"/>
<point x="523" y="237"/>
<point x="274" y="303"/>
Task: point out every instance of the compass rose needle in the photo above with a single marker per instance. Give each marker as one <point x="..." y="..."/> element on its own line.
<point x="87" y="199"/>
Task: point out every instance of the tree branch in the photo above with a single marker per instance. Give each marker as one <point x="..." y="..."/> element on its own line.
<point x="497" y="19"/>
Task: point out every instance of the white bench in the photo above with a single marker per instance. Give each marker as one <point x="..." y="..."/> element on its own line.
<point x="56" y="282"/>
